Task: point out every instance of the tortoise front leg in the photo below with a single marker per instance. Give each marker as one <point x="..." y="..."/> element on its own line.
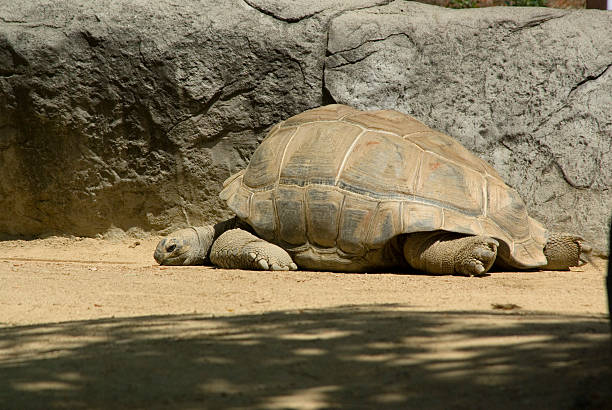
<point x="239" y="249"/>
<point x="445" y="253"/>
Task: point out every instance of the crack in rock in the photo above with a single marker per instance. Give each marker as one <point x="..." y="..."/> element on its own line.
<point x="366" y="42"/>
<point x="285" y="13"/>
<point x="538" y="21"/>
<point x="348" y="61"/>
<point x="567" y="178"/>
<point x="30" y="24"/>
<point x="299" y="64"/>
<point x="588" y="79"/>
<point x="219" y="95"/>
<point x="276" y="15"/>
<point x="207" y="106"/>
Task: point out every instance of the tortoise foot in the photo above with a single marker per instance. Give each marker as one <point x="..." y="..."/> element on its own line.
<point x="239" y="249"/>
<point x="475" y="255"/>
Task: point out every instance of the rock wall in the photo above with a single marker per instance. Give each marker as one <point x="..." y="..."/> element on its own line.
<point x="130" y="114"/>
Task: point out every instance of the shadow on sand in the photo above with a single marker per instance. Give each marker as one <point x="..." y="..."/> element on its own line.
<point x="375" y="356"/>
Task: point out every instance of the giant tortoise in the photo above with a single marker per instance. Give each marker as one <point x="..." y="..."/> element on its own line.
<point x="339" y="189"/>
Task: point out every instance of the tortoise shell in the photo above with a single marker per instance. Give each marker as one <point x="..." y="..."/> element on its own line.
<point x="338" y="181"/>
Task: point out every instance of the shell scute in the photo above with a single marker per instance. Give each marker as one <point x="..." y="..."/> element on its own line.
<point x="316" y="153"/>
<point x="323" y="212"/>
<point x="456" y="187"/>
<point x="238" y="198"/>
<point x="441" y="145"/>
<point x="291" y="215"/>
<point x="455" y="221"/>
<point x="385" y="225"/>
<point x="263" y="215"/>
<point x="264" y="167"/>
<point x="417" y="217"/>
<point x="507" y="210"/>
<point x="355" y="220"/>
<point x="393" y="161"/>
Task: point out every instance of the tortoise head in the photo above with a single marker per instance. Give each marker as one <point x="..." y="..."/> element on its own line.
<point x="187" y="246"/>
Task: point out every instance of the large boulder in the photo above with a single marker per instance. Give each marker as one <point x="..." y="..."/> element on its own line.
<point x="130" y="114"/>
<point x="528" y="89"/>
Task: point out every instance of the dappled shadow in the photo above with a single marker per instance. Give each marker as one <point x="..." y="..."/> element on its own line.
<point x="381" y="356"/>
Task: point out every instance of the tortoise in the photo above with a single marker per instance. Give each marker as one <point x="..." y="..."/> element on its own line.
<point x="339" y="189"/>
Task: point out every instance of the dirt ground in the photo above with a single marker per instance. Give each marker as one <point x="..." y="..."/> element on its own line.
<point x="93" y="323"/>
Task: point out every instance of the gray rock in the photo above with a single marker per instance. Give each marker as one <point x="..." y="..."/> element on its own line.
<point x="528" y="89"/>
<point x="124" y="114"/>
<point x="128" y="115"/>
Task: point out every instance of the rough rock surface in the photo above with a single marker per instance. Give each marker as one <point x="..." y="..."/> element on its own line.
<point x="130" y="114"/>
<point x="528" y="89"/>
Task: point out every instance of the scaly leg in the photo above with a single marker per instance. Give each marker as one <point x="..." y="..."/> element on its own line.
<point x="239" y="249"/>
<point x="444" y="253"/>
<point x="563" y="250"/>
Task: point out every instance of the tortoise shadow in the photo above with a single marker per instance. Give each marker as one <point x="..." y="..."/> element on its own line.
<point x="373" y="356"/>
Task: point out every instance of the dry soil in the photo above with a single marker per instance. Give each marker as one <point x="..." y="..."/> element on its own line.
<point x="93" y="323"/>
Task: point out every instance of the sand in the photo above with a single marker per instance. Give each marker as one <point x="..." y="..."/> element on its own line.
<point x="95" y="323"/>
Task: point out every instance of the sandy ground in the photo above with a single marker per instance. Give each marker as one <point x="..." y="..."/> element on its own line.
<point x="91" y="323"/>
